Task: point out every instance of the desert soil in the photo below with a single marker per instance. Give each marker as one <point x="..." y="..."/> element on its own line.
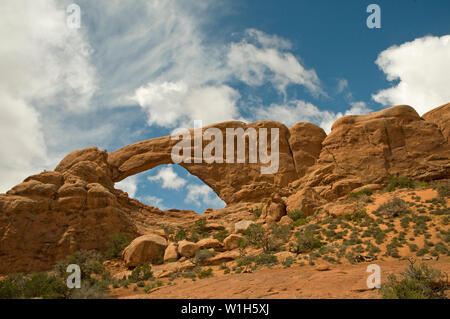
<point x="296" y="282"/>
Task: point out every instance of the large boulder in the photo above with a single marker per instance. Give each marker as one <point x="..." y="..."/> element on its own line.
<point x="171" y="252"/>
<point x="145" y="249"/>
<point x="232" y="241"/>
<point x="306" y="199"/>
<point x="223" y="257"/>
<point x="275" y="211"/>
<point x="206" y="243"/>
<point x="285" y="221"/>
<point x="187" y="249"/>
<point x="241" y="226"/>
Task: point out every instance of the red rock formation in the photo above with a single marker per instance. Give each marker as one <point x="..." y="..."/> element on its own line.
<point x="232" y="182"/>
<point x="441" y="117"/>
<point x="54" y="213"/>
<point x="366" y="149"/>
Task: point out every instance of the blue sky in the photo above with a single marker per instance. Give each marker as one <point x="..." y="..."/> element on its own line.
<point x="139" y="69"/>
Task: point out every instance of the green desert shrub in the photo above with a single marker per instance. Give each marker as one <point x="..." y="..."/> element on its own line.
<point x="357" y="216"/>
<point x="393" y="208"/>
<point x="258" y="237"/>
<point x="281" y="233"/>
<point x="202" y="255"/>
<point x="38" y="285"/>
<point x="200" y="226"/>
<point x="221" y="235"/>
<point x="443" y="189"/>
<point x="257" y="211"/>
<point x="90" y="289"/>
<point x="152" y="286"/>
<point x="141" y="273"/>
<point x="300" y="222"/>
<point x="116" y="244"/>
<point x="205" y="273"/>
<point x="306" y="241"/>
<point x="296" y="214"/>
<point x="288" y="262"/>
<point x="417" y="282"/>
<point x="89" y="261"/>
<point x="361" y="193"/>
<point x="266" y="259"/>
<point x="396" y="182"/>
<point x="180" y="235"/>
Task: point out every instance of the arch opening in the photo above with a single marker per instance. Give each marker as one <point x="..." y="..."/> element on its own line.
<point x="171" y="186"/>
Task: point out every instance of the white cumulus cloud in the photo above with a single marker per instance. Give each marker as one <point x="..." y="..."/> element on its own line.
<point x="128" y="185"/>
<point x="170" y="104"/>
<point x="203" y="194"/>
<point x="168" y="178"/>
<point x="421" y="69"/>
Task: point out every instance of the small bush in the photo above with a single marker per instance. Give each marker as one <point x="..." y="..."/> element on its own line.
<point x="38" y="285"/>
<point x="141" y="273"/>
<point x="245" y="261"/>
<point x="202" y="255"/>
<point x="266" y="259"/>
<point x="257" y="211"/>
<point x="90" y="289"/>
<point x="300" y="222"/>
<point x="243" y="242"/>
<point x="356" y="216"/>
<point x="221" y="235"/>
<point x="152" y="286"/>
<point x="361" y="193"/>
<point x="396" y="182"/>
<point x="258" y="237"/>
<point x="306" y="242"/>
<point x="200" y="226"/>
<point x="443" y="189"/>
<point x="417" y="282"/>
<point x="281" y="233"/>
<point x="180" y="235"/>
<point x="288" y="262"/>
<point x="296" y="214"/>
<point x="116" y="244"/>
<point x="90" y="262"/>
<point x="393" y="208"/>
<point x="205" y="273"/>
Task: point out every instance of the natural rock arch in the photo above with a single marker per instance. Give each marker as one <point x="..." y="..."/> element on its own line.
<point x="231" y="182"/>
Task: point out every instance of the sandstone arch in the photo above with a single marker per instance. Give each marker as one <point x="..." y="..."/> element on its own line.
<point x="231" y="182"/>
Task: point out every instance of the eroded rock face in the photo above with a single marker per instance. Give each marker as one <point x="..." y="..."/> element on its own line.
<point x="365" y="149"/>
<point x="55" y="213"/>
<point x="441" y="117"/>
<point x="305" y="141"/>
<point x="232" y="241"/>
